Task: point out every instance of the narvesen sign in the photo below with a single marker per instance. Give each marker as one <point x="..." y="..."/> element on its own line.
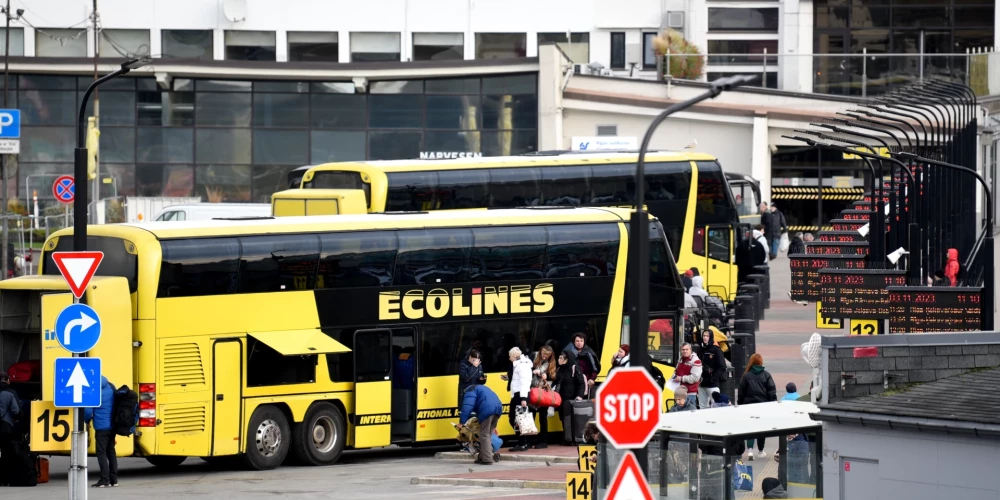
<point x="435" y="155"/>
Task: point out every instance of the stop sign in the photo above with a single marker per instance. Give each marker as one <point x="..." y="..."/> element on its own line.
<point x="628" y="409"/>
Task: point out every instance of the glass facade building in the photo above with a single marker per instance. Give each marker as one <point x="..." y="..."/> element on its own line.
<point x="236" y="140"/>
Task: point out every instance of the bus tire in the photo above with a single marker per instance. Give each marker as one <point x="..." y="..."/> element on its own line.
<point x="320" y="438"/>
<point x="269" y="436"/>
<point x="165" y="462"/>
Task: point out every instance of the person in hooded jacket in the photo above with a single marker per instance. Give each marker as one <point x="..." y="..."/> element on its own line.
<point x="520" y="387"/>
<point x="761" y="240"/>
<point x="488" y="408"/>
<point x="756" y="386"/>
<point x="621" y="357"/>
<point x="104" y="435"/>
<point x="797" y="245"/>
<point x="951" y="268"/>
<point x="749" y="253"/>
<point x="571" y="386"/>
<point x="470" y="372"/>
<point x="713" y="368"/>
<point x="586" y="359"/>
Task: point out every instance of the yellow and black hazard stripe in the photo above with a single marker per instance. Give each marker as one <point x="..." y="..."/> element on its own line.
<point x="793" y="229"/>
<point x="813" y="192"/>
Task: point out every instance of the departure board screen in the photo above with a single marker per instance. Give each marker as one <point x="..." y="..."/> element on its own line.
<point x="855" y="214"/>
<point x="858" y="293"/>
<point x="935" y="309"/>
<point x="805" y="272"/>
<point x="867" y="200"/>
<point x="846" y="225"/>
<point x="840" y="236"/>
<point x="837" y="248"/>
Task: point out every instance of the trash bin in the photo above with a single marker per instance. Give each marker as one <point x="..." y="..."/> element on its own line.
<point x="741" y="346"/>
<point x="766" y="271"/>
<point x="762" y="283"/>
<point x="758" y="303"/>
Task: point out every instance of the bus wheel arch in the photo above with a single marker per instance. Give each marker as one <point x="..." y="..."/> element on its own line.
<point x="268" y="438"/>
<point x="321" y="437"/>
<point x="165" y="461"/>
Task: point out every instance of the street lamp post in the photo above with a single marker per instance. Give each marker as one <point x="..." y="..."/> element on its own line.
<point x="638" y="272"/>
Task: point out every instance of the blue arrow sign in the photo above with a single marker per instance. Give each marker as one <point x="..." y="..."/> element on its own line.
<point x="78" y="383"/>
<point x="78" y="328"/>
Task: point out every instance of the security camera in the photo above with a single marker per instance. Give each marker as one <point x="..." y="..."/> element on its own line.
<point x="20" y="12"/>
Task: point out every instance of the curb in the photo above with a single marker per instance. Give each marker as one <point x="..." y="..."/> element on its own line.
<point x="507" y="457"/>
<point x="491" y="483"/>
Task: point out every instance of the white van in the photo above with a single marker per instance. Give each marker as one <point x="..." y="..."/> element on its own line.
<point x="209" y="211"/>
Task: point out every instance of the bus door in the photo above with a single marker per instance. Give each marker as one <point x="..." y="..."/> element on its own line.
<point x="404" y="384"/>
<point x="719" y="270"/>
<point x="372" y="388"/>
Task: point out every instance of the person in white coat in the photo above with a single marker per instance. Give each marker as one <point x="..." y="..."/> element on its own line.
<point x="520" y="386"/>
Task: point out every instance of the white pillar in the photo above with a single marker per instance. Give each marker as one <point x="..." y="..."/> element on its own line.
<point x="551" y="74"/>
<point x="760" y="166"/>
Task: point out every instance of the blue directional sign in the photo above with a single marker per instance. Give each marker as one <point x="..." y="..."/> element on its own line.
<point x="78" y="383"/>
<point x="10" y="123"/>
<point x="78" y="328"/>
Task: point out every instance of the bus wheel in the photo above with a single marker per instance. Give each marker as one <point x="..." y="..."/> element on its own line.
<point x="319" y="439"/>
<point x="269" y="439"/>
<point x="165" y="462"/>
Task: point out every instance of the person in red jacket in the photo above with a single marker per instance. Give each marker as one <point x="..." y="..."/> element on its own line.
<point x="688" y="372"/>
<point x="951" y="268"/>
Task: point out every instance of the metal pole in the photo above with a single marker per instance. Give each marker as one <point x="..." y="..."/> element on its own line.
<point x="864" y="72"/>
<point x="4" y="236"/>
<point x="921" y="55"/>
<point x="97" y="117"/>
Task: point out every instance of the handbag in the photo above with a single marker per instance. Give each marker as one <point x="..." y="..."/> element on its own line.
<point x="742" y="477"/>
<point x="525" y="422"/>
<point x="544" y="398"/>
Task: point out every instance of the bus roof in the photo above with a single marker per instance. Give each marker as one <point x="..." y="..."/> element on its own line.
<point x="523" y="160"/>
<point x="374" y="221"/>
<point x="759" y="418"/>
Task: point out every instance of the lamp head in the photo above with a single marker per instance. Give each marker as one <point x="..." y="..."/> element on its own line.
<point x="895" y="255"/>
<point x="136" y="63"/>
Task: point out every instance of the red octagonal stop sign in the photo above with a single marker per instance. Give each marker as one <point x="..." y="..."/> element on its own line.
<point x="628" y="409"/>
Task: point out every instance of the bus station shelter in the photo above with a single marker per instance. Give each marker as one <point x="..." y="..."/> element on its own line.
<point x="699" y="454"/>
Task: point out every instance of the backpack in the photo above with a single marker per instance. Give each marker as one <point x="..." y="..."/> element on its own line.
<point x="125" y="413"/>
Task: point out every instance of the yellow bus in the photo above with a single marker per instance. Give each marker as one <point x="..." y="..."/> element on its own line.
<point x="305" y="336"/>
<point x="688" y="192"/>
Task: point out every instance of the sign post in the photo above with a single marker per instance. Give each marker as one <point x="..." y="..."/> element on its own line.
<point x="10" y="143"/>
<point x="77" y="379"/>
<point x="628" y="412"/>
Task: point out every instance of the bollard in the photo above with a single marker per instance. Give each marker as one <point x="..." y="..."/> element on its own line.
<point x="743" y="307"/>
<point x="758" y="303"/>
<point x="740" y="347"/>
<point x="728" y="386"/>
<point x="756" y="280"/>
<point x="766" y="271"/>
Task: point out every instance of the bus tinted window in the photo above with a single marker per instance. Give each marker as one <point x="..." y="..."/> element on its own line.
<point x="463" y="189"/>
<point x="715" y="201"/>
<point x="612" y="184"/>
<point x="266" y="367"/>
<point x="356" y="259"/>
<point x="560" y="332"/>
<point x="664" y="281"/>
<point x="515" y="187"/>
<point x="432" y="256"/>
<point x="582" y="250"/>
<point x="668" y="187"/>
<point x="199" y="267"/>
<point x="117" y="260"/>
<point x="508" y="253"/>
<point x="411" y="191"/>
<point x="444" y="345"/>
<point x="566" y="185"/>
<point x="273" y="263"/>
<point x="328" y="179"/>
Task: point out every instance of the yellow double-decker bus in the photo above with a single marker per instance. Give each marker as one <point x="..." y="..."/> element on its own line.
<point x="306" y="336"/>
<point x="688" y="192"/>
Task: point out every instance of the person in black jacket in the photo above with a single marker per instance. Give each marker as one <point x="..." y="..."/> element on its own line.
<point x="757" y="386"/>
<point x="797" y="245"/>
<point x="571" y="386"/>
<point x="470" y="372"/>
<point x="713" y="368"/>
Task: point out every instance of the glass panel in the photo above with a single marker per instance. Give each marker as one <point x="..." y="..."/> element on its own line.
<point x="219" y="110"/>
<point x="282" y="87"/>
<point x="870" y="17"/>
<point x="577" y="48"/>
<point x="16" y="42"/>
<point x="612" y="184"/>
<point x="452" y="112"/>
<point x="921" y="17"/>
<point x="117" y="108"/>
<point x="166" y="145"/>
<point x="582" y="250"/>
<point x="396" y="111"/>
<point x="411" y="191"/>
<point x="267" y="181"/>
<point x="435" y="256"/>
<point x="223" y="183"/>
<point x="120" y="83"/>
<point x="515" y="187"/>
<point x="61" y="42"/>
<point x="117" y="145"/>
<point x="834" y="17"/>
<point x="463" y="189"/>
<point x="165" y="180"/>
<point x="508" y="143"/>
<point x="337" y="146"/>
<point x="753" y="48"/>
<point x="438" y="46"/>
<point x="500" y="45"/>
<point x="504" y="112"/>
<point x="452" y="86"/>
<point x="566" y="185"/>
<point x="752" y="19"/>
<point x="187" y="44"/>
<point x="356" y="259"/>
<point x="222" y="146"/>
<point x="397" y="87"/>
<point x="46" y="82"/>
<point x="718" y="244"/>
<point x="508" y="254"/>
<point x="648" y="51"/>
<point x="46" y="107"/>
<point x="280" y="110"/>
<point x="618" y="50"/>
<point x="124" y="43"/>
<point x="374" y="47"/>
<point x="273" y="263"/>
<point x="511" y="84"/>
<point x="280" y="147"/>
<point x="339" y="111"/>
<point x="333" y="87"/>
<point x="394" y="145"/>
<point x="965" y="17"/>
<point x="715" y="204"/>
<point x="39" y="177"/>
<point x="166" y="108"/>
<point x="222" y="86"/>
<point x="198" y="267"/>
<point x="250" y="45"/>
<point x="451" y="142"/>
<point x="122" y="177"/>
<point x="313" y="46"/>
<point x="48" y="144"/>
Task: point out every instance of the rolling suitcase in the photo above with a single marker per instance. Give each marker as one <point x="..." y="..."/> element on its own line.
<point x="23" y="470"/>
<point x="583" y="412"/>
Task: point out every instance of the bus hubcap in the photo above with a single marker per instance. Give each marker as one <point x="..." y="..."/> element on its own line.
<point x="268" y="438"/>
<point x="324" y="435"/>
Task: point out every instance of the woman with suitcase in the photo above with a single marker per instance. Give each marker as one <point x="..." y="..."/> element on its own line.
<point x="571" y="386"/>
<point x="542" y="376"/>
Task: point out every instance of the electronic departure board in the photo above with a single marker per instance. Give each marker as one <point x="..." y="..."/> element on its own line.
<point x="865" y="205"/>
<point x="805" y="272"/>
<point x="867" y="200"/>
<point x="935" y="309"/>
<point x="837" y="248"/>
<point x="855" y="214"/>
<point x="858" y="293"/>
<point x="846" y="225"/>
<point x="840" y="237"/>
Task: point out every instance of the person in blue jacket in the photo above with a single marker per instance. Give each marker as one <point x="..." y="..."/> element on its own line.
<point x="104" y="435"/>
<point x="488" y="408"/>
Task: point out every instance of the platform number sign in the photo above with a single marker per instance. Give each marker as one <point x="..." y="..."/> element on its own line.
<point x="825" y="322"/>
<point x="865" y="327"/>
<point x="580" y="485"/>
<point x="586" y="455"/>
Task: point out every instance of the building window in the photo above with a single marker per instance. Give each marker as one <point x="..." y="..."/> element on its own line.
<point x="251" y="46"/>
<point x="577" y="47"/>
<point x="375" y="47"/>
<point x="648" y="53"/>
<point x="742" y="51"/>
<point x="129" y="44"/>
<point x="618" y="50"/>
<point x="438" y="46"/>
<point x="313" y="46"/>
<point x="755" y="19"/>
<point x="500" y="45"/>
<point x="187" y="44"/>
<point x="51" y="42"/>
<point x="16" y="42"/>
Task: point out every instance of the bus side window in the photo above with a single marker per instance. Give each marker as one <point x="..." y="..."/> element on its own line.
<point x="515" y="187"/>
<point x="411" y="192"/>
<point x="273" y="263"/>
<point x="432" y="256"/>
<point x="463" y="189"/>
<point x="266" y="367"/>
<point x="507" y="253"/>
<point x="612" y="184"/>
<point x="582" y="250"/>
<point x="566" y="185"/>
<point x="198" y="267"/>
<point x="356" y="259"/>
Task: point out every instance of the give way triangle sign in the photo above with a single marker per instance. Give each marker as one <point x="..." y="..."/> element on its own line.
<point x="628" y="482"/>
<point x="77" y="268"/>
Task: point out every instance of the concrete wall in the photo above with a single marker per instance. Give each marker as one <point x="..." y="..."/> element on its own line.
<point x="912" y="465"/>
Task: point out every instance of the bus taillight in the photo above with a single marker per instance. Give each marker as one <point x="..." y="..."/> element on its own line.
<point x="147" y="405"/>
